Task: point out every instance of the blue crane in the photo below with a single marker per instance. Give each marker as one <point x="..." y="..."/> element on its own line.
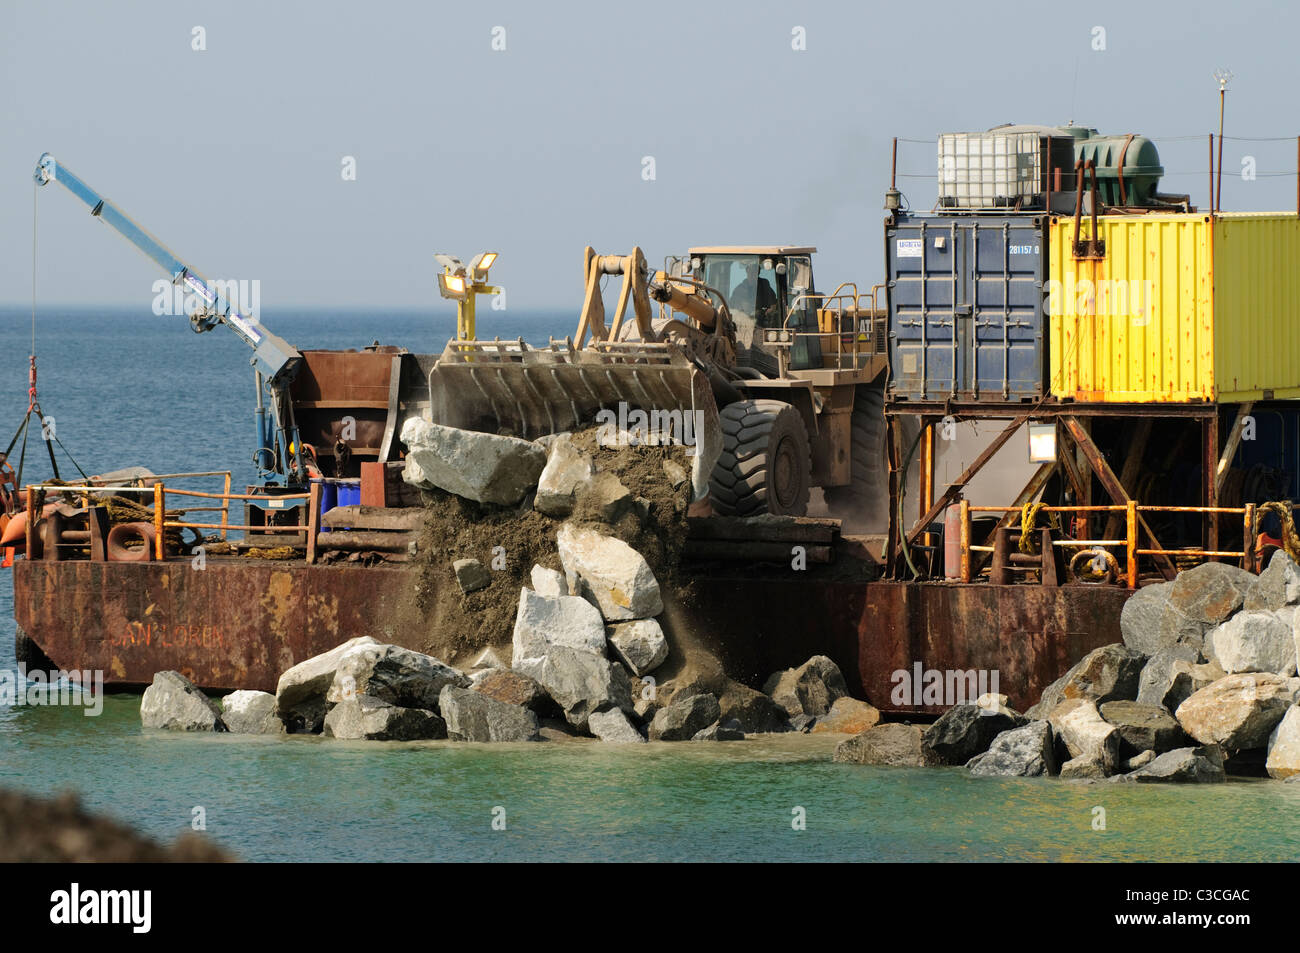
<point x="278" y="457"/>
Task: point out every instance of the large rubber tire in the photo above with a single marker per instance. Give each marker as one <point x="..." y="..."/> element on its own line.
<point x="766" y="461"/>
<point x="863" y="504"/>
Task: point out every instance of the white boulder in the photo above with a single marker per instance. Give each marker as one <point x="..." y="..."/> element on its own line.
<point x="614" y="574"/>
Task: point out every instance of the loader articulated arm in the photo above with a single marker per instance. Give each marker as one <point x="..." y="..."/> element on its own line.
<point x="275" y="361"/>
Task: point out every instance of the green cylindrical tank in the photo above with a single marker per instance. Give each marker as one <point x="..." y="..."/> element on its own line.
<point x="1140" y="165"/>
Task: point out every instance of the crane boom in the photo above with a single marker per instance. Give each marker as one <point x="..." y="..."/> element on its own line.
<point x="275" y="361"/>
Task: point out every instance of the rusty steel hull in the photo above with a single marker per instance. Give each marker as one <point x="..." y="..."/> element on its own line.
<point x="239" y="624"/>
<point x="1030" y="635"/>
<point x="234" y="624"/>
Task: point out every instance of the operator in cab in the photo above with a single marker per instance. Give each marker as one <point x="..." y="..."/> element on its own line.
<point x="759" y="290"/>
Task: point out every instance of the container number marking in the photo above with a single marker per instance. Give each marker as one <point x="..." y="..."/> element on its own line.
<point x="910" y="248"/>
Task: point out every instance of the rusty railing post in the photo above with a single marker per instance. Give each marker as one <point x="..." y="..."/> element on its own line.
<point x="1131" y="523"/>
<point x="225" y="507"/>
<point x="159" y="499"/>
<point x="313" y="521"/>
<point x="965" y="540"/>
<point x="1248" y="538"/>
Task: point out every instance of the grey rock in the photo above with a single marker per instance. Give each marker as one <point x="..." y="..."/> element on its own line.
<point x="718" y="731"/>
<point x="471" y="716"/>
<point x="1141" y="621"/>
<point x="1187" y="679"/>
<point x="640" y="644"/>
<point x="173" y="703"/>
<point x="1276" y="587"/>
<point x="1283" y="759"/>
<point x="1104" y="674"/>
<point x="542" y="623"/>
<point x="1079" y="726"/>
<point x="1139" y="760"/>
<point x="1025" y="752"/>
<point x="615" y="575"/>
<point x="476" y="466"/>
<point x="613" y="725"/>
<point x="300" y="693"/>
<point x="471" y="575"/>
<point x="401" y="677"/>
<point x="848" y="716"/>
<point x="810" y="689"/>
<point x="1144" y="727"/>
<point x="549" y="583"/>
<point x="366" y="718"/>
<point x="1238" y="712"/>
<point x="514" y="688"/>
<point x="684" y="717"/>
<point x="894" y="744"/>
<point x="1182" y="766"/>
<point x="580" y="682"/>
<point x="964" y="731"/>
<point x="1085" y="767"/>
<point x="251" y="713"/>
<point x="1255" y="642"/>
<point x="1202" y="598"/>
<point x="645" y="707"/>
<point x="1158" y="674"/>
<point x="755" y="712"/>
<point x="568" y="470"/>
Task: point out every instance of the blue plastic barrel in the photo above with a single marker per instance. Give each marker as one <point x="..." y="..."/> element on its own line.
<point x="349" y="492"/>
<point x="328" y="498"/>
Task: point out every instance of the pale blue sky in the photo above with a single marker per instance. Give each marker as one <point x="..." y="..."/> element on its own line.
<point x="232" y="156"/>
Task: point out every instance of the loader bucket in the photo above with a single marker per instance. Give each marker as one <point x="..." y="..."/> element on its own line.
<point x="508" y="387"/>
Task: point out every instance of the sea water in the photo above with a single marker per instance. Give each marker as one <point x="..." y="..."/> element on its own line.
<point x="128" y="389"/>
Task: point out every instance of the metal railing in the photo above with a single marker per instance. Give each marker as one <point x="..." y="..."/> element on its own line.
<point x="161" y="523"/>
<point x="159" y="491"/>
<point x="845" y="302"/>
<point x="1130" y="543"/>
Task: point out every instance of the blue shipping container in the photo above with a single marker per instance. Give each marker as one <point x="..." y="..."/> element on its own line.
<point x="966" y="296"/>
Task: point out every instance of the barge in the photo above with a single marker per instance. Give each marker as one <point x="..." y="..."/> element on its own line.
<point x="1153" y="446"/>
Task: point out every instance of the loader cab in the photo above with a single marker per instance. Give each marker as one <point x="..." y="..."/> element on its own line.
<point x="763" y="284"/>
<point x="766" y="287"/>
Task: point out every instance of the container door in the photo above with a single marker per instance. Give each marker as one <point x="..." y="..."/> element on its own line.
<point x="923" y="278"/>
<point x="1006" y="274"/>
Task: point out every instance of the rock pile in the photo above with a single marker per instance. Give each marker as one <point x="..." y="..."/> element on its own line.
<point x="587" y="637"/>
<point x="1203" y="685"/>
<point x="562" y="683"/>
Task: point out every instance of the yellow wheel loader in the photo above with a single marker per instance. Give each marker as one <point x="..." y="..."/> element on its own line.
<point x="778" y="388"/>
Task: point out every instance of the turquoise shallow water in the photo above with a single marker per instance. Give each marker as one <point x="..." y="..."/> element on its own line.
<point x="314" y="799"/>
<point x="310" y="799"/>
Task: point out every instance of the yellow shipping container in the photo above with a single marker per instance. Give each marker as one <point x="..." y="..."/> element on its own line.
<point x="1182" y="307"/>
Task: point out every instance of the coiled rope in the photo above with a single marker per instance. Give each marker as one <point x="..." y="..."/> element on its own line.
<point x="1028" y="522"/>
<point x="1290" y="539"/>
